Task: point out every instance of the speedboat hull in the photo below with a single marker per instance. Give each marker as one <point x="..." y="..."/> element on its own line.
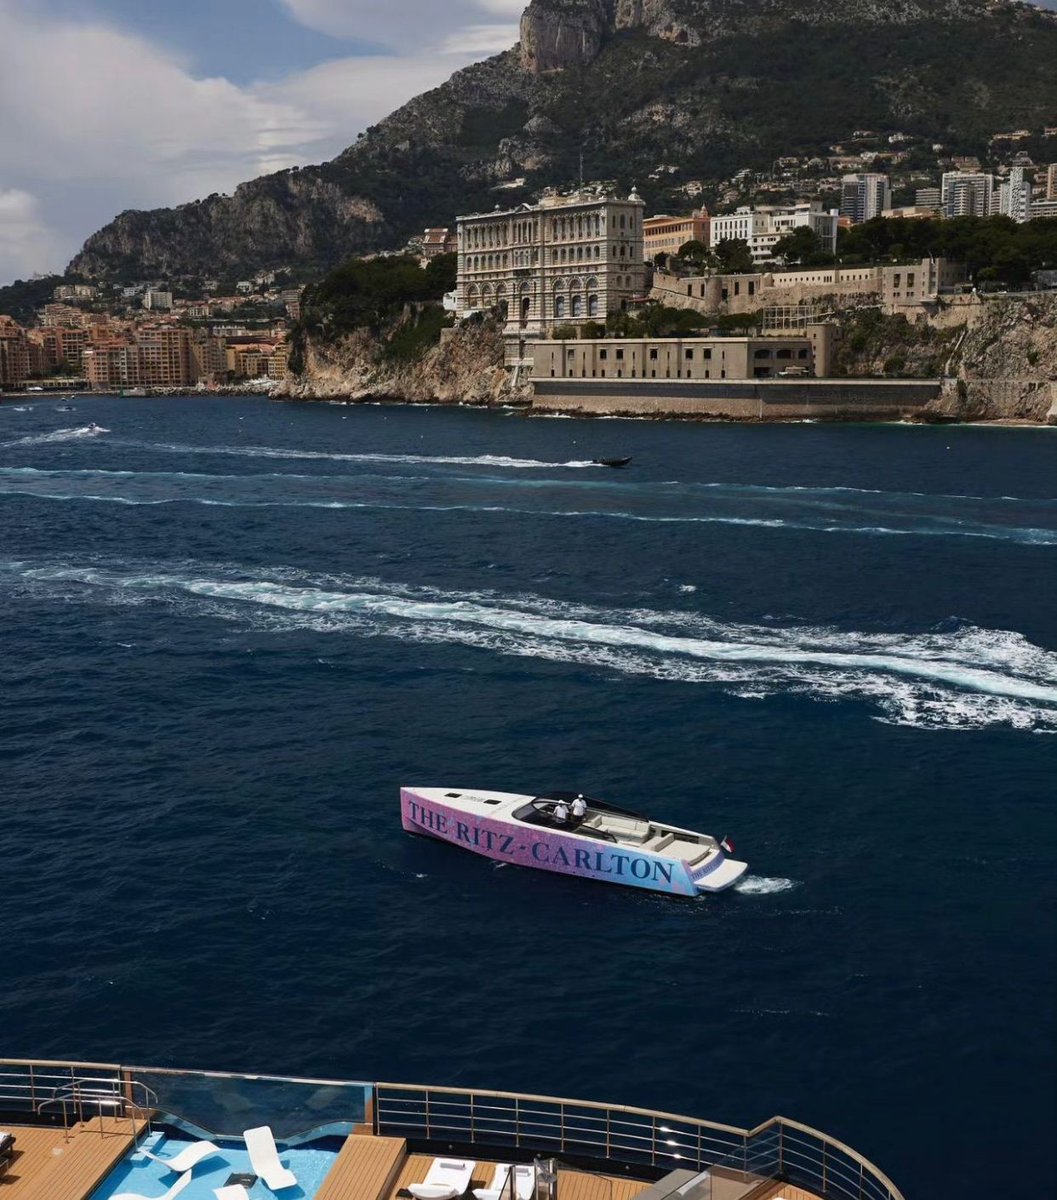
<point x="485" y="823"/>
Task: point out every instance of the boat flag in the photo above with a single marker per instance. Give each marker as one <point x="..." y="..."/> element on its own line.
<point x="727" y="844"/>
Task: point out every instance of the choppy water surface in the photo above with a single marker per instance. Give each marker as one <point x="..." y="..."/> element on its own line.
<point x="231" y="629"/>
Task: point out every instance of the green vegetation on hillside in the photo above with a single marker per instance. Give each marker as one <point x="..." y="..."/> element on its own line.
<point x="994" y="249"/>
<point x="392" y="298"/>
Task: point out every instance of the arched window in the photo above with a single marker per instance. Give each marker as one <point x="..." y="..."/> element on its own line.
<point x="592" y="305"/>
<point x="577" y="306"/>
<point x="559" y="306"/>
<point x="472" y="296"/>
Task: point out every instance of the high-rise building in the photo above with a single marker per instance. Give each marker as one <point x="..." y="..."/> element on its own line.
<point x="1051" y="182"/>
<point x="864" y="196"/>
<point x="156" y="300"/>
<point x="763" y="227"/>
<point x="928" y="197"/>
<point x="1014" y="196"/>
<point x="967" y="194"/>
<point x="14" y="353"/>
<point x="566" y="258"/>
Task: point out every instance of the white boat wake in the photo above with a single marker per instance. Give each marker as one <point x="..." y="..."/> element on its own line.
<point x="758" y="885"/>
<point x="56" y="435"/>
<point x="962" y="677"/>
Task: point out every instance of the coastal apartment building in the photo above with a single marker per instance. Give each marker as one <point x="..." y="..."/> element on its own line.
<point x="1014" y="196"/>
<point x="14" y="353"/>
<point x="1051" y="182"/>
<point x="664" y="234"/>
<point x="764" y="226"/>
<point x="567" y="258"/>
<point x="701" y="358"/>
<point x="967" y="194"/>
<point x="864" y="196"/>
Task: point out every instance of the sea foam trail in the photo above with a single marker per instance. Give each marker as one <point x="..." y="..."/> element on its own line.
<point x="56" y="435"/>
<point x="962" y="678"/>
<point x="362" y="492"/>
<point x="278" y="452"/>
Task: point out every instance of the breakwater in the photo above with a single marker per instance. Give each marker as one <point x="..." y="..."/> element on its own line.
<point x="755" y="400"/>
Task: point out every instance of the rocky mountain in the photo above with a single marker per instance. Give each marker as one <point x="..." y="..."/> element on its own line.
<point x="676" y="89"/>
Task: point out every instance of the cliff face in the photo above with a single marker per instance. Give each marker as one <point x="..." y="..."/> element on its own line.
<point x="465" y="368"/>
<point x="708" y="86"/>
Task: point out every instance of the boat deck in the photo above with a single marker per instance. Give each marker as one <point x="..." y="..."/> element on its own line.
<point x="45" y="1166"/>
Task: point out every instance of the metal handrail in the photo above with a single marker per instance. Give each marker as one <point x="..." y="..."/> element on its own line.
<point x="100" y="1092"/>
<point x="526" y="1119"/>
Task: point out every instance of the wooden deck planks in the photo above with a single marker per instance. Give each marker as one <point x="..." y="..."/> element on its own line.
<point x="581" y="1185"/>
<point x="364" y="1169"/>
<point x="47" y="1167"/>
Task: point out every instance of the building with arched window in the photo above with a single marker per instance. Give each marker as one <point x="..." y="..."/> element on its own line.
<point x="567" y="258"/>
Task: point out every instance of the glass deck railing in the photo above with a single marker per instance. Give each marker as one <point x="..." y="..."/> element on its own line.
<point x="725" y="1162"/>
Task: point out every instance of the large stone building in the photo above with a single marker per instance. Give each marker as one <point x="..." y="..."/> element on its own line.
<point x="897" y="288"/>
<point x="765" y="226"/>
<point x="667" y="235"/>
<point x="711" y="358"/>
<point x="567" y="258"/>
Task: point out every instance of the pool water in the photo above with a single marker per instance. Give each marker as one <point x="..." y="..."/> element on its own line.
<point x="139" y="1175"/>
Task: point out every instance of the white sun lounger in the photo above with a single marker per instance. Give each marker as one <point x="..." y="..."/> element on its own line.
<point x="446" y="1179"/>
<point x="264" y="1159"/>
<point x="234" y="1191"/>
<point x="187" y="1158"/>
<point x="499" y="1188"/>
<point x="175" y="1190"/>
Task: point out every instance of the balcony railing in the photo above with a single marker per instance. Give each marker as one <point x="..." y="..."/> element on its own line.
<point x="613" y="1139"/>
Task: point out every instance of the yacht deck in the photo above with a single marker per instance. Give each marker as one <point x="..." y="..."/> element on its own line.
<point x="45" y="1166"/>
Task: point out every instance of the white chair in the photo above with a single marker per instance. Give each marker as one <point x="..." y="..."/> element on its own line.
<point x="234" y="1191"/>
<point x="446" y="1179"/>
<point x="175" y="1190"/>
<point x="264" y="1159"/>
<point x="499" y="1188"/>
<point x="187" y="1159"/>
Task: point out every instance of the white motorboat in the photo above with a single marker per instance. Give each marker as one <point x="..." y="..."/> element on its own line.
<point x="574" y="835"/>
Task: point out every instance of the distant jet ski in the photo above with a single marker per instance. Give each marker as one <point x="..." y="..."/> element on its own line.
<point x="611" y="462"/>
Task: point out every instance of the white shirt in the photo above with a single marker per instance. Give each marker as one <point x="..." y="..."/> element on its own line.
<point x="561" y="812"/>
<point x="579" y="807"/>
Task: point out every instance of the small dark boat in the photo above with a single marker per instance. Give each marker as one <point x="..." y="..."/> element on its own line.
<point x="611" y="462"/>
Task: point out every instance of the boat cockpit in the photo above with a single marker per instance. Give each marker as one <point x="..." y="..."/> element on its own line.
<point x="607" y="823"/>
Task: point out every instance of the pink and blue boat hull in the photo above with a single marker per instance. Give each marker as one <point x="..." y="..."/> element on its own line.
<point x="544" y="849"/>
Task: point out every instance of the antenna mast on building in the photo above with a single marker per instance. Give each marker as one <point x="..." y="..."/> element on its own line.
<point x="581" y="169"/>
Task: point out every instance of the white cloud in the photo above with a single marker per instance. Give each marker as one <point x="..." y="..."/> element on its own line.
<point x="123" y="124"/>
<point x="25" y="241"/>
<point x="412" y="25"/>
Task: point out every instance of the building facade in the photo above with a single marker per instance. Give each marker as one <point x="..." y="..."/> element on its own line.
<point x="967" y="194"/>
<point x="1014" y="196"/>
<point x="667" y="235"/>
<point x="864" y="196"/>
<point x="763" y="227"/>
<point x="674" y="358"/>
<point x="567" y="258"/>
<point x="1051" y="182"/>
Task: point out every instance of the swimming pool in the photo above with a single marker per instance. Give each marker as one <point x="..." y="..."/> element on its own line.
<point x="137" y="1173"/>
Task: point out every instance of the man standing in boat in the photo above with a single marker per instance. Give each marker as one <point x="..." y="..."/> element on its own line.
<point x="579" y="807"/>
<point x="561" y="813"/>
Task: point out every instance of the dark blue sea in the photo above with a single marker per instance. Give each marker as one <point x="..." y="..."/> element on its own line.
<point x="231" y="629"/>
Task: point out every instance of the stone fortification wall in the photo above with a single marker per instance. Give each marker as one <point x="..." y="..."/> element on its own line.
<point x="767" y="400"/>
<point x="750" y="293"/>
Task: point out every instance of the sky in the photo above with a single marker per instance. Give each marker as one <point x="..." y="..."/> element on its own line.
<point x="107" y="105"/>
